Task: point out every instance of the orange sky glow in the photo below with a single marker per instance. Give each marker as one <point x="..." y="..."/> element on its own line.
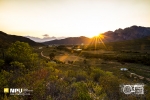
<point x="70" y="18"/>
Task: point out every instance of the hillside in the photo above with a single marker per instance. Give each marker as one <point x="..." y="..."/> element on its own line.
<point x="136" y="44"/>
<point x="6" y="40"/>
<point x="129" y="33"/>
<point x="70" y="40"/>
<point x="44" y="39"/>
<point x="141" y="44"/>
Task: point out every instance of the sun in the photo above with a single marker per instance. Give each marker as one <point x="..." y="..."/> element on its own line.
<point x="101" y="36"/>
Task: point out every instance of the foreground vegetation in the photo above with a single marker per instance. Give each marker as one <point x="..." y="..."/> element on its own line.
<point x="80" y="80"/>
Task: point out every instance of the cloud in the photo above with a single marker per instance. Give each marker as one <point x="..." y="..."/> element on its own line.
<point x="45" y="35"/>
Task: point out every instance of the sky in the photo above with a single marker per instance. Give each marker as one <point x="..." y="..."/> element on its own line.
<point x="71" y="18"/>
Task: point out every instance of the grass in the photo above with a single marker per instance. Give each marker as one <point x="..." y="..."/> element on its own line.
<point x="97" y="71"/>
<point x="104" y="59"/>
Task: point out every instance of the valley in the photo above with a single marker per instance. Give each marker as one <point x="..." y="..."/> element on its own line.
<point x="72" y="70"/>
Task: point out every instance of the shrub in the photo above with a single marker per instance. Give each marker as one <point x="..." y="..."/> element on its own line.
<point x="96" y="73"/>
<point x="1" y="62"/>
<point x="81" y="91"/>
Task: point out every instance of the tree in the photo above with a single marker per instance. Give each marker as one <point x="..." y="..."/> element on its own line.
<point x="51" y="56"/>
<point x="61" y="47"/>
<point x="81" y="91"/>
<point x="1" y="62"/>
<point x="2" y="55"/>
<point x="19" y="67"/>
<point x="22" y="53"/>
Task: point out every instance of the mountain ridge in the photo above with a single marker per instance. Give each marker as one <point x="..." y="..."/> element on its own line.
<point x="40" y="40"/>
<point x="6" y="40"/>
<point x="70" y="40"/>
<point x="129" y="33"/>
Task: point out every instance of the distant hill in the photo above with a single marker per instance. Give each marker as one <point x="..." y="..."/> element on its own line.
<point x="6" y="40"/>
<point x="70" y="40"/>
<point x="39" y="40"/>
<point x="135" y="45"/>
<point x="129" y="33"/>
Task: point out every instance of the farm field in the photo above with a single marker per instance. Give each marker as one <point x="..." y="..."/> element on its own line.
<point x="137" y="72"/>
<point x="112" y="65"/>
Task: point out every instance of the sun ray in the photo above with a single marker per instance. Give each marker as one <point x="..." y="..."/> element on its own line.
<point x="77" y="57"/>
<point x="100" y="38"/>
<point x="95" y="43"/>
<point x="90" y="43"/>
<point x="93" y="40"/>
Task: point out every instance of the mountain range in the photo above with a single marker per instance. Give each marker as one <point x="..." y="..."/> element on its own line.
<point x="70" y="40"/>
<point x="129" y="33"/>
<point x="37" y="39"/>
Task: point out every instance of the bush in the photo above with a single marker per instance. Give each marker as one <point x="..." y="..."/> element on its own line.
<point x="96" y="73"/>
<point x="81" y="76"/>
<point x="110" y="85"/>
<point x="22" y="52"/>
<point x="1" y="62"/>
<point x="81" y="91"/>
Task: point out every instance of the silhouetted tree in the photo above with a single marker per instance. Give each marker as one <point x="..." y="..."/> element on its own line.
<point x="51" y="56"/>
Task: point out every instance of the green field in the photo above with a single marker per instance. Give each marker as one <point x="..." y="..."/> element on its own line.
<point x="71" y="75"/>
